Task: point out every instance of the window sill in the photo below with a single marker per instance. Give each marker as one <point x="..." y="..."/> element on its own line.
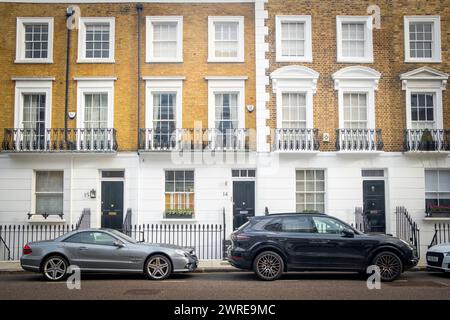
<point x="39" y="219"/>
<point x="151" y="60"/>
<point x="96" y="61"/>
<point x="354" y="60"/>
<point x="287" y="59"/>
<point x="412" y="60"/>
<point x="46" y="61"/>
<point x="216" y="60"/>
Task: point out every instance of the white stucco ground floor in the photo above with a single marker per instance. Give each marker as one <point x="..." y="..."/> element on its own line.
<point x="198" y="187"/>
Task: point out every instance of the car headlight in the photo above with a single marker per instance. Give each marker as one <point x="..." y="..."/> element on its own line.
<point x="180" y="252"/>
<point x="408" y="244"/>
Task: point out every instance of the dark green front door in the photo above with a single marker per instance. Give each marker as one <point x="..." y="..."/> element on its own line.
<point x="374" y="206"/>
<point x="112" y="204"/>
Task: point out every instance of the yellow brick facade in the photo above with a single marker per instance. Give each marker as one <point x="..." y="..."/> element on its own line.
<point x="388" y="52"/>
<point x="194" y="66"/>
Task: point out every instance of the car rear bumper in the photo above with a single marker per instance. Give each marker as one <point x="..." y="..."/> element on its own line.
<point x="411" y="263"/>
<point x="30" y="263"/>
<point x="238" y="259"/>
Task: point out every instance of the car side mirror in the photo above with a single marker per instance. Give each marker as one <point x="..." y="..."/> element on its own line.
<point x="118" y="244"/>
<point x="348" y="233"/>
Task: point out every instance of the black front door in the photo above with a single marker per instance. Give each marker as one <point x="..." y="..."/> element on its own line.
<point x="112" y="204"/>
<point x="374" y="206"/>
<point x="243" y="202"/>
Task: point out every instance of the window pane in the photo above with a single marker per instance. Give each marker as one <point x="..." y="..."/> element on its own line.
<point x="97" y="40"/>
<point x="310" y="193"/>
<point x="47" y="203"/>
<point x="49" y="181"/>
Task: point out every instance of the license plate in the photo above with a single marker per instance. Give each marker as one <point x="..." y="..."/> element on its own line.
<point x="432" y="259"/>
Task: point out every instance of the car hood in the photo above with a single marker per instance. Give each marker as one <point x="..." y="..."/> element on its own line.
<point x="167" y="246"/>
<point x="443" y="247"/>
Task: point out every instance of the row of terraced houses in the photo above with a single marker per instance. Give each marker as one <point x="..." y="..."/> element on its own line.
<point x="210" y="111"/>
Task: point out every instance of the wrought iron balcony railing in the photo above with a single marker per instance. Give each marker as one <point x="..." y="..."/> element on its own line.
<point x="193" y="139"/>
<point x="296" y="140"/>
<point x="359" y="140"/>
<point x="427" y="140"/>
<point x="60" y="140"/>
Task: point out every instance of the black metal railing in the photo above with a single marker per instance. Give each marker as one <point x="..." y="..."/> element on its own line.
<point x="427" y="140"/>
<point x="206" y="239"/>
<point x="60" y="140"/>
<point x="359" y="140"/>
<point x="407" y="229"/>
<point x="16" y="236"/>
<point x="295" y="139"/>
<point x="194" y="139"/>
<point x="441" y="234"/>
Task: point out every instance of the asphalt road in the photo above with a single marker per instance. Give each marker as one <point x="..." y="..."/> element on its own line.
<point x="227" y="285"/>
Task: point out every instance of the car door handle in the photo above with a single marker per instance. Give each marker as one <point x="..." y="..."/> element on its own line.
<point x="82" y="248"/>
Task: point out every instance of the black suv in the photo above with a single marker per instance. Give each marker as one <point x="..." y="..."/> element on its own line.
<point x="273" y="244"/>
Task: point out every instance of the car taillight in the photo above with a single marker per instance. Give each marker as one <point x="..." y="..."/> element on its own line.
<point x="26" y="249"/>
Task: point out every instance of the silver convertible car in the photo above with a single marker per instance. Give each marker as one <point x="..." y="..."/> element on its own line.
<point x="105" y="250"/>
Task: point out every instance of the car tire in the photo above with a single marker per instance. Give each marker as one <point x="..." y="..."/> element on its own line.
<point x="390" y="264"/>
<point x="158" y="267"/>
<point x="268" y="266"/>
<point x="54" y="268"/>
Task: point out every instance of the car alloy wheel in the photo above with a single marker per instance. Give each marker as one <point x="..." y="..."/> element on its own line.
<point x="158" y="267"/>
<point x="55" y="268"/>
<point x="390" y="266"/>
<point x="268" y="265"/>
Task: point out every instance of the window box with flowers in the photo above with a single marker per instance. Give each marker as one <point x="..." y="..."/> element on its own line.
<point x="438" y="211"/>
<point x="179" y="194"/>
<point x="179" y="213"/>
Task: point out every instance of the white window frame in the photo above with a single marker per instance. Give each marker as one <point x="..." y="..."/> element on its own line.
<point x="226" y="85"/>
<point x="306" y="19"/>
<point x="149" y="58"/>
<point x="163" y="85"/>
<point x="82" y="39"/>
<point x="425" y="79"/>
<point x="357" y="79"/>
<point x="20" y="40"/>
<point x="295" y="79"/>
<point x="94" y="85"/>
<point x="32" y="86"/>
<point x="436" y="48"/>
<point x="211" y="38"/>
<point x="325" y="187"/>
<point x="368" y="44"/>
<point x="34" y="198"/>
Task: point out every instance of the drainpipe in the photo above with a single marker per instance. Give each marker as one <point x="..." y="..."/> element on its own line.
<point x="69" y="13"/>
<point x="139" y="9"/>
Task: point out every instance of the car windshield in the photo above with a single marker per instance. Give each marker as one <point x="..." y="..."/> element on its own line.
<point x="123" y="236"/>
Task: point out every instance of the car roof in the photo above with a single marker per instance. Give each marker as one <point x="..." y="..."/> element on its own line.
<point x="290" y="214"/>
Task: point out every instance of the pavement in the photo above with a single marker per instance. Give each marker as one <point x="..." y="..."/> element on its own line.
<point x="239" y="285"/>
<point x="204" y="266"/>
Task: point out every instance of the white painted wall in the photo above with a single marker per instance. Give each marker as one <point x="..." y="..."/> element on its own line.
<point x="275" y="184"/>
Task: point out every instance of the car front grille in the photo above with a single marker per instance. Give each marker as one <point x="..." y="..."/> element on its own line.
<point x="440" y="257"/>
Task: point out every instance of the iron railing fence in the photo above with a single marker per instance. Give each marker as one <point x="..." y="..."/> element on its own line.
<point x="59" y="140"/>
<point x="14" y="237"/>
<point x="194" y="139"/>
<point x="359" y="140"/>
<point x="427" y="140"/>
<point x="285" y="139"/>
<point x="407" y="229"/>
<point x="441" y="234"/>
<point x="206" y="239"/>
